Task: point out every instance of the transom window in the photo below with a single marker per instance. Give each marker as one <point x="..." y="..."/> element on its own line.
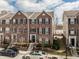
<point x="72" y="31"/>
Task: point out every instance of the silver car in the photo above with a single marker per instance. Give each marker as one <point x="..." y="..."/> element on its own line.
<point x="36" y="55"/>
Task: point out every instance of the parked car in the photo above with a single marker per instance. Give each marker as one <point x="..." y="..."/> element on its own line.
<point x="11" y="52"/>
<point x="36" y="55"/>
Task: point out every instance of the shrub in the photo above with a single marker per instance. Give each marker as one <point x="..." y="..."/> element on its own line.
<point x="56" y="45"/>
<point x="47" y="45"/>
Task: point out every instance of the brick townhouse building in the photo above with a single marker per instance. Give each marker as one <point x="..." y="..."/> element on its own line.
<point x="26" y="27"/>
<point x="71" y="27"/>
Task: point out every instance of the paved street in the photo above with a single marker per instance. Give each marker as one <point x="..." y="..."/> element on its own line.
<point x="19" y="56"/>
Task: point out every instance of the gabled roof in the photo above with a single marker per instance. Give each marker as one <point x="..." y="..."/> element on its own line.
<point x="29" y="15"/>
<point x="71" y="12"/>
<point x="19" y="14"/>
<point x="34" y="15"/>
<point x="7" y="16"/>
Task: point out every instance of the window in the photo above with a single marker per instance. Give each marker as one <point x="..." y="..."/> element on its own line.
<point x="40" y="21"/>
<point x="14" y="30"/>
<point x="7" y="29"/>
<point x="14" y="20"/>
<point x="20" y="30"/>
<point x="46" y="30"/>
<point x="3" y="21"/>
<point x="14" y="36"/>
<point x="72" y="20"/>
<point x="33" y="30"/>
<point x="10" y="21"/>
<point x="7" y="21"/>
<point x="0" y="29"/>
<point x="21" y="21"/>
<point x="43" y="30"/>
<point x="25" y="21"/>
<point x="47" y="21"/>
<point x="43" y="21"/>
<point x="3" y="29"/>
<point x="33" y="21"/>
<point x="46" y="41"/>
<point x="43" y="14"/>
<point x="25" y="30"/>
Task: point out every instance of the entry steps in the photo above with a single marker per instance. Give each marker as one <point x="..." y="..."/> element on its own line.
<point x="73" y="51"/>
<point x="30" y="48"/>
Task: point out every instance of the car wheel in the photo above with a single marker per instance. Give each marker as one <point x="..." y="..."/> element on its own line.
<point x="27" y="57"/>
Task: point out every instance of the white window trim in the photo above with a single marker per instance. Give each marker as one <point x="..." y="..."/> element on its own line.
<point x="72" y="21"/>
<point x="70" y="37"/>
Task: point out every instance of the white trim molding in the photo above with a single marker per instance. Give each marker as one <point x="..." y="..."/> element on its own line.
<point x="74" y="37"/>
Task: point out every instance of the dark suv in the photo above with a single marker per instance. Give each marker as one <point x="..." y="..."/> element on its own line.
<point x="11" y="52"/>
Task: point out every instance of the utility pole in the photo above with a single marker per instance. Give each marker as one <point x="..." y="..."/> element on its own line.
<point x="66" y="49"/>
<point x="66" y="52"/>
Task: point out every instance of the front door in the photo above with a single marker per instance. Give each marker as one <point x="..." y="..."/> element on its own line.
<point x="73" y="42"/>
<point x="32" y="37"/>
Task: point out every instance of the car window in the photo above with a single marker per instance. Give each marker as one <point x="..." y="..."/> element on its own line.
<point x="8" y="50"/>
<point x="35" y="53"/>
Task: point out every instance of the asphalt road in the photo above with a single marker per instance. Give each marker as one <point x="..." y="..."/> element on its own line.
<point x="19" y="56"/>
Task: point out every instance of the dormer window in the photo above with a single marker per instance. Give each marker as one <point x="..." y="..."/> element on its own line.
<point x="43" y="14"/>
<point x="14" y="20"/>
<point x="19" y="13"/>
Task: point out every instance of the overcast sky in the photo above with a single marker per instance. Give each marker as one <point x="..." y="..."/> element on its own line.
<point x="58" y="6"/>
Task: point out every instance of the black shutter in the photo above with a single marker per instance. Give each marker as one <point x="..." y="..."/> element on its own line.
<point x="69" y="20"/>
<point x="38" y="30"/>
<point x="16" y="21"/>
<point x="75" y="20"/>
<point x="25" y="21"/>
<point x="69" y="31"/>
<point x="38" y="21"/>
<point x="49" y="21"/>
<point x="49" y="31"/>
<point x="30" y="21"/>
